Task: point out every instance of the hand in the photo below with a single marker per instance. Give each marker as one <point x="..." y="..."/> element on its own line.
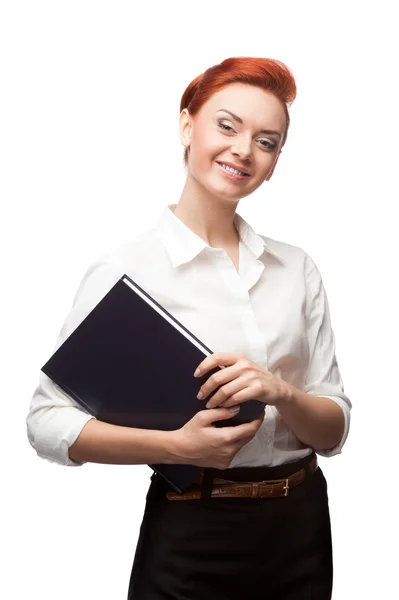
<point x="240" y="381"/>
<point x="202" y="444"/>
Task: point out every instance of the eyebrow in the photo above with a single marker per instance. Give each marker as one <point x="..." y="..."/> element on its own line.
<point x="239" y="120"/>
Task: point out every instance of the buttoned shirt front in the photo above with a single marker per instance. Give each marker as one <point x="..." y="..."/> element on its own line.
<point x="274" y="309"/>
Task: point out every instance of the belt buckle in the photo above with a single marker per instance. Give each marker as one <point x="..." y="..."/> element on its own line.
<point x="285" y="488"/>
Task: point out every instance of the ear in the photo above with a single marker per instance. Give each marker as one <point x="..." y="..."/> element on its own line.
<point x="185" y="127"/>
<point x="270" y="173"/>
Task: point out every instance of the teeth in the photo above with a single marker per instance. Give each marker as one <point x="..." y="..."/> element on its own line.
<point x="236" y="171"/>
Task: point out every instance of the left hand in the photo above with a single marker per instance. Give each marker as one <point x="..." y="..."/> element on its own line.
<point x="241" y="380"/>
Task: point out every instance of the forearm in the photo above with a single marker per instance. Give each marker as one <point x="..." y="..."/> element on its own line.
<point x="316" y="421"/>
<point x="101" y="442"/>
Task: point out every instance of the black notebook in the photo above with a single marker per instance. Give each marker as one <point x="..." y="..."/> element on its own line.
<point x="131" y="363"/>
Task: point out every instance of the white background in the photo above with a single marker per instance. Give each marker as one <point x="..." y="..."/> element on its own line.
<point x="90" y="156"/>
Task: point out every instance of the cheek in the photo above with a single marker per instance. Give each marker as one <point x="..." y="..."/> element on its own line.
<point x="205" y="147"/>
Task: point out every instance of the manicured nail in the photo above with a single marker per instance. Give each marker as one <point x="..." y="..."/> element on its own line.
<point x="196" y="373"/>
<point x="200" y="395"/>
<point x="234" y="408"/>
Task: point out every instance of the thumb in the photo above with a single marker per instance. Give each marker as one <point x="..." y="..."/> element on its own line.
<point x="219" y="414"/>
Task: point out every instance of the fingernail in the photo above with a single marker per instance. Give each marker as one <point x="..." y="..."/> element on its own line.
<point x="234" y="409"/>
<point x="196" y="372"/>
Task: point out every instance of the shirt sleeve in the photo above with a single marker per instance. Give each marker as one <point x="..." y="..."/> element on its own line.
<point x="55" y="420"/>
<point x="323" y="377"/>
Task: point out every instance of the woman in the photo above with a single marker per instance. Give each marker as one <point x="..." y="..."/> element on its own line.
<point x="256" y="524"/>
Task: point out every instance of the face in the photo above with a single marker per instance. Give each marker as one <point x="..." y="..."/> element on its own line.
<point x="240" y="127"/>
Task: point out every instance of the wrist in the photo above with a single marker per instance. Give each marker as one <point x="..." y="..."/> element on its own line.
<point x="173" y="448"/>
<point x="287" y="396"/>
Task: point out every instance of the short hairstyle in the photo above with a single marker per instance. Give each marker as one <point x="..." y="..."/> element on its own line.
<point x="266" y="73"/>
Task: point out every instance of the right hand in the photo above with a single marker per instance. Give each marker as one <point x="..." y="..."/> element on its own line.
<point x="202" y="444"/>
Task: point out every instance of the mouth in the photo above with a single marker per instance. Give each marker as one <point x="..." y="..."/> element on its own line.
<point x="233" y="170"/>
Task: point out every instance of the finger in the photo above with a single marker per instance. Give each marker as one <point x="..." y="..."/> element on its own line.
<point x="226" y="382"/>
<point x="218" y="414"/>
<point x="246" y="392"/>
<point x="240" y="390"/>
<point x="218" y="359"/>
<point x="245" y="430"/>
<point x="259" y="420"/>
<point x="242" y="394"/>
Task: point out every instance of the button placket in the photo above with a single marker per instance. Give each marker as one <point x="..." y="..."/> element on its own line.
<point x="240" y="286"/>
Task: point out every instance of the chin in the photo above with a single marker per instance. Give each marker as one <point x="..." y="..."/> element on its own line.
<point x="229" y="192"/>
<point x="223" y="192"/>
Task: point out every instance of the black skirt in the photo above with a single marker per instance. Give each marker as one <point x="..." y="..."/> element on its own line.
<point x="236" y="548"/>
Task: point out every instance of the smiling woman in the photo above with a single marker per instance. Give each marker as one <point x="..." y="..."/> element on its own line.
<point x="219" y="543"/>
<point x="256" y="522"/>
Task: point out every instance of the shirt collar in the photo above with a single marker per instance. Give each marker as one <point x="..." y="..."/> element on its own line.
<point x="182" y="244"/>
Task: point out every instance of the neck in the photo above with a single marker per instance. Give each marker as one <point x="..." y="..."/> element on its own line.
<point x="208" y="216"/>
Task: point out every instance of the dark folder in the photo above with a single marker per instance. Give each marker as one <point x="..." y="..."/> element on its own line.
<point x="131" y="363"/>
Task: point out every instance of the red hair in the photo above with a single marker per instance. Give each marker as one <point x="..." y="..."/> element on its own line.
<point x="267" y="73"/>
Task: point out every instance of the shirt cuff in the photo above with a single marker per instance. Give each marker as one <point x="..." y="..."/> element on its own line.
<point x="346" y="410"/>
<point x="52" y="441"/>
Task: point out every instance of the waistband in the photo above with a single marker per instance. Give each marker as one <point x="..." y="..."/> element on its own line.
<point x="259" y="473"/>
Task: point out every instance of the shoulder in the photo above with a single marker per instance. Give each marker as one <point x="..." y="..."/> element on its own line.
<point x="131" y="257"/>
<point x="143" y="258"/>
<point x="292" y="256"/>
<point x="128" y="254"/>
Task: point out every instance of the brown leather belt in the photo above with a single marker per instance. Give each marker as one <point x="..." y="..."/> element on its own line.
<point x="224" y="488"/>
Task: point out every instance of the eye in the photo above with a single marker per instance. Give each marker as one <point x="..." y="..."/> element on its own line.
<point x="224" y="126"/>
<point x="268" y="144"/>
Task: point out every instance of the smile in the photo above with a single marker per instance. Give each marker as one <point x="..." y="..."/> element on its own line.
<point x="231" y="170"/>
<point x="234" y="174"/>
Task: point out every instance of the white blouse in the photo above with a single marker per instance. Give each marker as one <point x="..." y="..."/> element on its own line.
<point x="274" y="310"/>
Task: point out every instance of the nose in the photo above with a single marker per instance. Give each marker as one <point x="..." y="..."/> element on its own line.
<point x="242" y="148"/>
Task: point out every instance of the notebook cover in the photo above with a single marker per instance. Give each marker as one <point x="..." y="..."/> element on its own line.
<point x="131" y="363"/>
